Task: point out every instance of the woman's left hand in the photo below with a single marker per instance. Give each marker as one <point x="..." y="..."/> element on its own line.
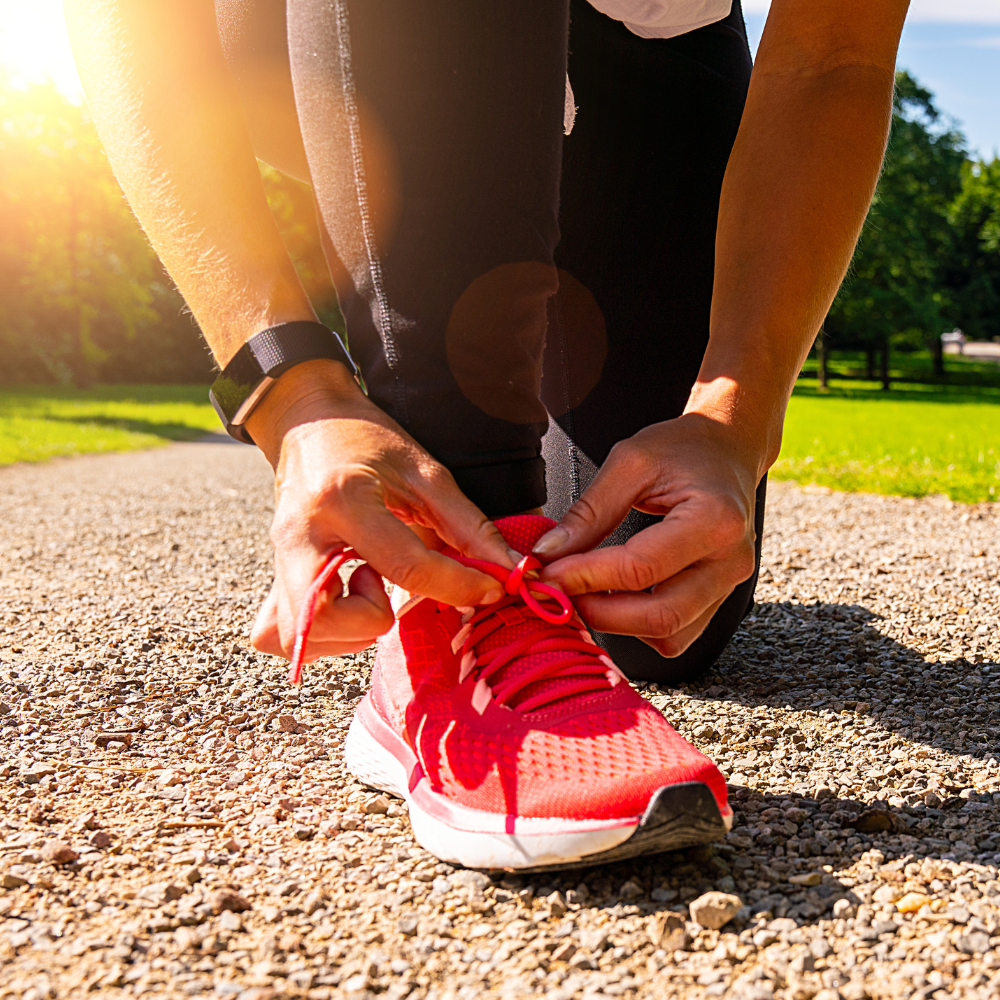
<point x="665" y="583"/>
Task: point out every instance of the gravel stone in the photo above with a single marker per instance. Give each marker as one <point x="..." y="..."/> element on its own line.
<point x="715" y="909"/>
<point x="58" y="852"/>
<point x="853" y="715"/>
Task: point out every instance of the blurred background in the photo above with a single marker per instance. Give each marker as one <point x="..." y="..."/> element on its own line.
<point x="901" y="393"/>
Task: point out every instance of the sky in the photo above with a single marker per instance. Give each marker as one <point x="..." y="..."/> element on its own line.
<point x="951" y="46"/>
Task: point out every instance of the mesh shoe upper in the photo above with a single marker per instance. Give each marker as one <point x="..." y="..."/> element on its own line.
<point x="512" y="710"/>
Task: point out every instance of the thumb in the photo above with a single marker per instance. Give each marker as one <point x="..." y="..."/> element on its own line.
<point x="461" y="524"/>
<point x="603" y="506"/>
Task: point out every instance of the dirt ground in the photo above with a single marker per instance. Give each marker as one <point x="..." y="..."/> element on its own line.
<point x="178" y="821"/>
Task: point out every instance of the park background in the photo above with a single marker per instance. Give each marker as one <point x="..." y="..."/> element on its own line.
<point x="97" y="351"/>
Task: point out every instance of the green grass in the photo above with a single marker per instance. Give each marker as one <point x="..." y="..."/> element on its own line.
<point x="37" y="423"/>
<point x="924" y="436"/>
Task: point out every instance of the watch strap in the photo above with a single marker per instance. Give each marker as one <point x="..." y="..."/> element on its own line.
<point x="259" y="363"/>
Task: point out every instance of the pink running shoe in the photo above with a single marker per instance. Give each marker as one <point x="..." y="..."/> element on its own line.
<point x="517" y="742"/>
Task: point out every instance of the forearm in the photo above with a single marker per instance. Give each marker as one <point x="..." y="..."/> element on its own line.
<point x="170" y="118"/>
<point x="796" y="191"/>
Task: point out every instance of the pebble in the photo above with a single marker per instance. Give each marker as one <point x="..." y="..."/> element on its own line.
<point x="715" y="909"/>
<point x="58" y="852"/>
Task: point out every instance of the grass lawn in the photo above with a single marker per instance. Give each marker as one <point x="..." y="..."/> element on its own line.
<point x="37" y="423"/>
<point x="921" y="437"/>
<point x="924" y="436"/>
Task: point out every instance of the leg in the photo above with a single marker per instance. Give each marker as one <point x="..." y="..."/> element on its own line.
<point x="434" y="138"/>
<point x="642" y="172"/>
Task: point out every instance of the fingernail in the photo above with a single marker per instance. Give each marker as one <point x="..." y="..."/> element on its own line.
<point x="551" y="541"/>
<point x="492" y="596"/>
<point x="514" y="556"/>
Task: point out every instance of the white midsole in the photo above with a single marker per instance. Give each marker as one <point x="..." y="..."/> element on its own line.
<point x="375" y="764"/>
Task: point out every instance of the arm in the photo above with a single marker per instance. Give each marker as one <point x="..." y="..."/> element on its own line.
<point x="797" y="187"/>
<point x="171" y="120"/>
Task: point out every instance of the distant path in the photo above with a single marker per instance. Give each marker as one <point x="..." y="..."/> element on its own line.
<point x="983" y="350"/>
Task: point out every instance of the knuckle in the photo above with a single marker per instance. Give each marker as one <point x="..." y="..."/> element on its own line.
<point x="286" y="527"/>
<point x="730" y="521"/>
<point x="637" y="570"/>
<point x="583" y="510"/>
<point x="662" y="620"/>
<point x="627" y="456"/>
<point x="435" y="478"/>
<point x="744" y="565"/>
<point x="413" y="577"/>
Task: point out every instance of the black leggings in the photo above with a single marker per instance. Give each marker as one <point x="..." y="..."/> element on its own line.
<point x="516" y="330"/>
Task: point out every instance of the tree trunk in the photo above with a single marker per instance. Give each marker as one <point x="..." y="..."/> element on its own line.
<point x="870" y="361"/>
<point x="886" y="384"/>
<point x="937" y="351"/>
<point x="821" y="358"/>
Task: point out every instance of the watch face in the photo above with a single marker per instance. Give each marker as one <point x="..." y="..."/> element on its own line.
<point x="237" y="382"/>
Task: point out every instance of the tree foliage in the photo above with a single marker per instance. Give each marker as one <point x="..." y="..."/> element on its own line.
<point x="972" y="277"/>
<point x="895" y="290"/>
<point x="83" y="296"/>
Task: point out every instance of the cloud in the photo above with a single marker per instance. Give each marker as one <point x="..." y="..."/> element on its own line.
<point x="940" y="11"/>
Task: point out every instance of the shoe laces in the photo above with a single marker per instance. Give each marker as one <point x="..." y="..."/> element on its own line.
<point x="307" y="612"/>
<point x="549" y="655"/>
<point x="550" y="650"/>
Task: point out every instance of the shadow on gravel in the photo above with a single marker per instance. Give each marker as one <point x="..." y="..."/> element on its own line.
<point x="168" y="431"/>
<point x="835" y="660"/>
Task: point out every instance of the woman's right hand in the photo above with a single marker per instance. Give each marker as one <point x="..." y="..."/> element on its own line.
<point x="348" y="475"/>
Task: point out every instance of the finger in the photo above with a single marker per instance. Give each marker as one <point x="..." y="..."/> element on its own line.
<point x="669" y="609"/>
<point x="363" y="614"/>
<point x="603" y="506"/>
<point x="394" y="551"/>
<point x="341" y="625"/>
<point x="264" y="636"/>
<point x="656" y="553"/>
<point x="463" y="526"/>
<point x="679" y="642"/>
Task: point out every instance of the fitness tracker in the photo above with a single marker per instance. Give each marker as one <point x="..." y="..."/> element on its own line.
<point x="256" y="366"/>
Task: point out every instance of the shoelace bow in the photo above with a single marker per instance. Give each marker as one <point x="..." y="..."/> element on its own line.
<point x="584" y="666"/>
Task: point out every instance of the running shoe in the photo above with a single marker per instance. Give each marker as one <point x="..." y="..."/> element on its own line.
<point x="516" y="741"/>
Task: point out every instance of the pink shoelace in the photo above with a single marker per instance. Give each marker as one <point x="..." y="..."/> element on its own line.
<point x="304" y="623"/>
<point x="582" y="666"/>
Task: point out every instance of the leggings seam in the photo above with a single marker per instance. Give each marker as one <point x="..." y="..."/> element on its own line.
<point x="364" y="208"/>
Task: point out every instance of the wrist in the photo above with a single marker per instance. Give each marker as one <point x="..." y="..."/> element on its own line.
<point x="751" y="423"/>
<point x="309" y="391"/>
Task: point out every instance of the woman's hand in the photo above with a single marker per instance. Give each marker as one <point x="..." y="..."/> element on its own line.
<point x="665" y="583"/>
<point x="348" y="475"/>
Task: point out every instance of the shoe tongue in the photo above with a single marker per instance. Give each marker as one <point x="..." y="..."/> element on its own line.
<point x="522" y="531"/>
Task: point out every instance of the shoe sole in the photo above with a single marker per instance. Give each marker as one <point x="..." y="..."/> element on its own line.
<point x="677" y="816"/>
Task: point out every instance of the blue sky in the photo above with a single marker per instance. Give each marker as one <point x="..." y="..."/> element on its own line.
<point x="951" y="46"/>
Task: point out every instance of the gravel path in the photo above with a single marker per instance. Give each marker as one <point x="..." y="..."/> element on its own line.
<point x="179" y="823"/>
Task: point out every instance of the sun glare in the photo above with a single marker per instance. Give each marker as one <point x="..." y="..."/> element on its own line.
<point x="34" y="46"/>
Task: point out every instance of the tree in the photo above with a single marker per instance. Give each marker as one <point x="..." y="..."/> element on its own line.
<point x="973" y="274"/>
<point x="894" y="292"/>
<point x="82" y="294"/>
